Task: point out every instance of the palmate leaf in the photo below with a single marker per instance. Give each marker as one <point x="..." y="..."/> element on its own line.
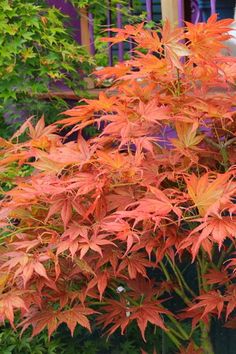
<point x="36" y="132"/>
<point x="98" y="218"/>
<point x="215" y="276"/>
<point x="100" y="281"/>
<point x="26" y="265"/>
<point x="114" y="161"/>
<point x="207" y="192"/>
<point x="63" y="205"/>
<point x="171" y="41"/>
<point x="208" y="303"/>
<point x="116" y="200"/>
<point x="117" y="71"/>
<point x="214" y="303"/>
<point x="230" y="298"/>
<point x="8" y="302"/>
<point x="121" y="230"/>
<point x="121" y="313"/>
<point x="218" y="228"/>
<point x="188" y="140"/>
<point x="50" y="319"/>
<point x="213" y="229"/>
<point x="155" y="205"/>
<point x="122" y="34"/>
<point x="77" y="238"/>
<point x="95" y="243"/>
<point x="58" y="158"/>
<point x="150" y="67"/>
<point x="134" y="264"/>
<point x="85" y="112"/>
<point x="152" y="113"/>
<point x="149" y="312"/>
<point x="196" y="316"/>
<point x="207" y="39"/>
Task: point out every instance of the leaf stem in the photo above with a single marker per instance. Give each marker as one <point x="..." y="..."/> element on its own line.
<point x="180" y="276"/>
<point x="173" y="339"/>
<point x="223" y="254"/>
<point x="182" y="334"/>
<point x="178" y="291"/>
<point x="202" y="270"/>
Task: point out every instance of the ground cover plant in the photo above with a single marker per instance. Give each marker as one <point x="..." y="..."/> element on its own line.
<point x="136" y="225"/>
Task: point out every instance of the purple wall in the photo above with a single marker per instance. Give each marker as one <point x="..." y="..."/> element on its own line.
<point x="68" y="9"/>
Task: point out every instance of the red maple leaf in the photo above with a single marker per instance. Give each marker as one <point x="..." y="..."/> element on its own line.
<point x="121" y="313"/>
<point x="51" y="319"/>
<point x="8" y="302"/>
<point x="26" y="265"/>
<point x="213" y="228"/>
<point x="135" y="263"/>
<point x="209" y="303"/>
<point x="215" y="276"/>
<point x="76" y="238"/>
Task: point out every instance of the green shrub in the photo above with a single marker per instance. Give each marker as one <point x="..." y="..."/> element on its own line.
<point x="36" y="49"/>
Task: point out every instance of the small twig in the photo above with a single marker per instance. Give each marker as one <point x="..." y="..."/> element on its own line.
<point x="230" y="142"/>
<point x="212" y="143"/>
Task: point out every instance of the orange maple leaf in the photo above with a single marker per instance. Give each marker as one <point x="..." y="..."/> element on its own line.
<point x="208" y="192"/>
<point x="207" y="39"/>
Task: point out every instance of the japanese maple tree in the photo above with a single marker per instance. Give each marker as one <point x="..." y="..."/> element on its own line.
<point x="142" y="215"/>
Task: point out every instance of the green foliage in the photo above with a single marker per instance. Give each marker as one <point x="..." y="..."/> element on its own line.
<point x="100" y="10"/>
<point x="36" y="48"/>
<point x="5" y="130"/>
<point x="82" y="342"/>
<point x="12" y="343"/>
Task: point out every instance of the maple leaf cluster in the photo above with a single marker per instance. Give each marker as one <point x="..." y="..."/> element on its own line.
<point x="99" y="224"/>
